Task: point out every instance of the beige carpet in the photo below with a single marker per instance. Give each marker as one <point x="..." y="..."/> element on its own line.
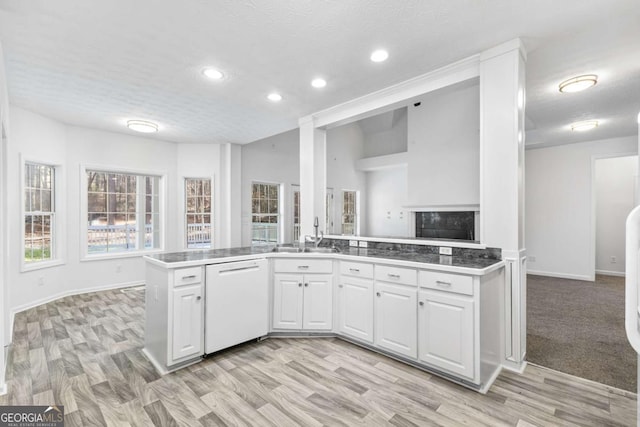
<point x="577" y="327"/>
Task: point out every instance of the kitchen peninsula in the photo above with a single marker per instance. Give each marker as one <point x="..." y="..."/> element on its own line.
<point x="436" y="312"/>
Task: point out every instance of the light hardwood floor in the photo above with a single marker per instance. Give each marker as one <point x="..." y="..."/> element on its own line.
<point x="84" y="352"/>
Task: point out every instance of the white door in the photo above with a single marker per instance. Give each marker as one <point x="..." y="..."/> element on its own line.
<point x="396" y="318"/>
<point x="287" y="301"/>
<point x="355" y="299"/>
<point x="449" y="348"/>
<point x="188" y="322"/>
<point x="318" y="301"/>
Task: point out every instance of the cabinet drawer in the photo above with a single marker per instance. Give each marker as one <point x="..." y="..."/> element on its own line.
<point x="357" y="269"/>
<point x="303" y="266"/>
<point x="448" y="282"/>
<point x="187" y="276"/>
<point x="406" y="276"/>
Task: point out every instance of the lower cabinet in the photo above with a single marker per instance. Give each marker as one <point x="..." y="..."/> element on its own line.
<point x="188" y="322"/>
<point x="355" y="299"/>
<point x="302" y="301"/>
<point x="446" y="331"/>
<point x="396" y="318"/>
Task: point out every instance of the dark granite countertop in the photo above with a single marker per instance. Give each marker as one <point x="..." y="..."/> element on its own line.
<point x="451" y="263"/>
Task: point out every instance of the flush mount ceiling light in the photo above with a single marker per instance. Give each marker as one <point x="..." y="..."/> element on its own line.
<point x="274" y="97"/>
<point x="142" y="126"/>
<point x="584" y="126"/>
<point x="576" y="84"/>
<point x="318" y="83"/>
<point x="379" y="55"/>
<point x="213" y="73"/>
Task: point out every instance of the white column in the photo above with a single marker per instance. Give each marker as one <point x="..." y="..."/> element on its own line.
<point x="230" y="224"/>
<point x="4" y="226"/>
<point x="502" y="99"/>
<point x="313" y="175"/>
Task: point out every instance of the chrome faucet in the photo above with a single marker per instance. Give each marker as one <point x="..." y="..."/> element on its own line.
<point x="316" y="240"/>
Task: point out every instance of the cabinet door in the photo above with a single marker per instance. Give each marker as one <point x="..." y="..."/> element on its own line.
<point x="446" y="332"/>
<point x="287" y="301"/>
<point x="188" y="321"/>
<point x="318" y="301"/>
<point x="355" y="299"/>
<point x="396" y="318"/>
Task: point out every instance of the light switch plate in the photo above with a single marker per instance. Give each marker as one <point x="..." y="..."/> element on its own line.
<point x="353" y="243"/>
<point x="363" y="244"/>
<point x="445" y="251"/>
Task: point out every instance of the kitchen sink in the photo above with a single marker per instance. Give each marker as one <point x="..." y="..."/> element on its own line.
<point x="287" y="249"/>
<point x="322" y="250"/>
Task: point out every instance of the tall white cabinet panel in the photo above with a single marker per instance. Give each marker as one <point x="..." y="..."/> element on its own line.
<point x="188" y="320"/>
<point x="396" y="318"/>
<point x="355" y="298"/>
<point x="445" y="330"/>
<point x="287" y="301"/>
<point x="318" y="301"/>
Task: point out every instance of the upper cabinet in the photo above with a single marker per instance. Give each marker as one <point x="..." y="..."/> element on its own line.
<point x="443" y="132"/>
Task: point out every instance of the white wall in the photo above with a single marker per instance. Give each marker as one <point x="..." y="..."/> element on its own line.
<point x="345" y="145"/>
<point x="273" y="160"/>
<point x="386" y="194"/>
<point x="4" y="246"/>
<point x="38" y="138"/>
<point x="444" y="148"/>
<point x="614" y="187"/>
<point x="388" y="141"/>
<point x="558" y="208"/>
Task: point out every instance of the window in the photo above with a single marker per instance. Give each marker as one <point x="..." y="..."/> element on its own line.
<point x="265" y="218"/>
<point x="123" y="212"/>
<point x="198" y="212"/>
<point x="39" y="212"/>
<point x="349" y="212"/>
<point x="296" y="213"/>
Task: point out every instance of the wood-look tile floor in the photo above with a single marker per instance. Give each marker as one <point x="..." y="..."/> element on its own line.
<point x="84" y="352"/>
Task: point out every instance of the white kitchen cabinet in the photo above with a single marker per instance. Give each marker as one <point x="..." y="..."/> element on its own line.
<point x="287" y="301"/>
<point x="302" y="301"/>
<point x="188" y="322"/>
<point x="396" y="318"/>
<point x="355" y="301"/>
<point x="446" y="332"/>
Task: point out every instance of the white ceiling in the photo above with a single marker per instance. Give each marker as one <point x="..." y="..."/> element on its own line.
<point x="99" y="63"/>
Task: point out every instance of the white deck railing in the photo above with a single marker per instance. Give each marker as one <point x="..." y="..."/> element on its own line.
<point x="632" y="260"/>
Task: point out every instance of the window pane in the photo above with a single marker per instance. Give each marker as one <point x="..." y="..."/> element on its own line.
<point x="131" y="203"/>
<point x="38" y="188"/>
<point x="121" y="202"/>
<point x="46" y="201"/>
<point x="27" y="200"/>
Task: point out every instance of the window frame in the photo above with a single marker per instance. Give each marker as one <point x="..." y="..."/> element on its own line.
<point x="279" y="215"/>
<point x="185" y="242"/>
<point x="162" y="221"/>
<point x="58" y="218"/>
<point x="356" y="213"/>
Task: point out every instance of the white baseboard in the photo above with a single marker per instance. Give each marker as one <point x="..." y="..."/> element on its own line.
<point x="15" y="310"/>
<point x="560" y="275"/>
<point x="610" y="273"/>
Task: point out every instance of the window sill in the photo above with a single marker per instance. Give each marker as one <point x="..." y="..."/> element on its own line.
<point x="39" y="265"/>
<point x="117" y="255"/>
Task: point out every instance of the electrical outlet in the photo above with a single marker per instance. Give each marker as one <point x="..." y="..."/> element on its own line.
<point x="613" y="260"/>
<point x="363" y="244"/>
<point x="353" y="243"/>
<point x="41" y="281"/>
<point x="445" y="250"/>
<point x="531" y="258"/>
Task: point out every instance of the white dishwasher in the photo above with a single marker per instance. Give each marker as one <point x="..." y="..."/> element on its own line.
<point x="237" y="303"/>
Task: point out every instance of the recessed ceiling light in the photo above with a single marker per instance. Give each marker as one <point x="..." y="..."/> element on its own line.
<point x="213" y="73"/>
<point x="142" y="126"/>
<point x="584" y="126"/>
<point x="379" y="55"/>
<point x="274" y="97"/>
<point x="576" y="84"/>
<point x="318" y="83"/>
